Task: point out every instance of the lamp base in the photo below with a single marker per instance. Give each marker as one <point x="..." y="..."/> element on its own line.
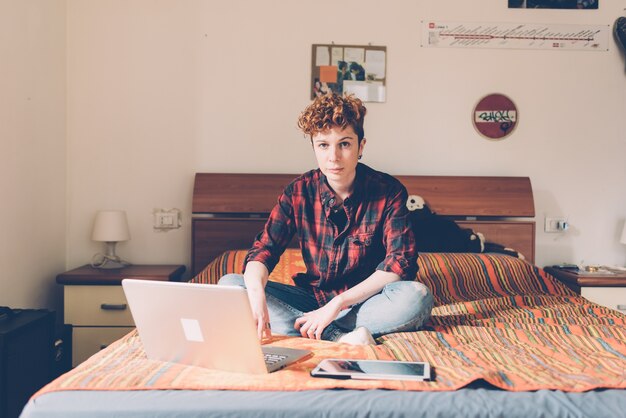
<point x="111" y="264"/>
<point x="106" y="262"/>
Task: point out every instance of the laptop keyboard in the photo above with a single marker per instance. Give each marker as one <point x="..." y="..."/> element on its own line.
<point x="273" y="358"/>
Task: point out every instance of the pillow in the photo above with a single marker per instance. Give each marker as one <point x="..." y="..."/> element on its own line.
<point x="451" y="277"/>
<point x="458" y="277"/>
<point x="289" y="264"/>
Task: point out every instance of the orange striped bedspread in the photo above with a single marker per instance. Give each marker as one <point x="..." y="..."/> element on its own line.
<point x="525" y="332"/>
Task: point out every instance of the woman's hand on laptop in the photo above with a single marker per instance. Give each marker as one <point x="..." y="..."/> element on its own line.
<point x="260" y="314"/>
<point x="255" y="278"/>
<point x="263" y="324"/>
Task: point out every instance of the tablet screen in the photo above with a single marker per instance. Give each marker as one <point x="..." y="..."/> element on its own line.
<point x="373" y="369"/>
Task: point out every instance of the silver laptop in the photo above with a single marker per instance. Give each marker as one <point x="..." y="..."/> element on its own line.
<point x="202" y="325"/>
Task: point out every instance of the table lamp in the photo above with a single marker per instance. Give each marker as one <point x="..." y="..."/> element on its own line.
<point x="110" y="227"/>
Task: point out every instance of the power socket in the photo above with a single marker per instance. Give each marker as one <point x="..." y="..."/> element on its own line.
<point x="555" y="225"/>
<point x="165" y="219"/>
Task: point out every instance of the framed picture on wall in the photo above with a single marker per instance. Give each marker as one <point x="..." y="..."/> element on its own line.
<point x="350" y="69"/>
<point x="553" y="4"/>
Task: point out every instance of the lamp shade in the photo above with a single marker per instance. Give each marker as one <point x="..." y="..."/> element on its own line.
<point x="110" y="226"/>
<point x="623" y="237"/>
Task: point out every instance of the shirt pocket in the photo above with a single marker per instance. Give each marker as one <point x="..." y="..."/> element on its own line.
<point x="360" y="245"/>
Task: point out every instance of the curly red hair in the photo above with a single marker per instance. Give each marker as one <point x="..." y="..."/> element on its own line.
<point x="332" y="110"/>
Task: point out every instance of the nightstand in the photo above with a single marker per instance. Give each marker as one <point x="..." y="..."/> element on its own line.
<point x="95" y="305"/>
<point x="607" y="290"/>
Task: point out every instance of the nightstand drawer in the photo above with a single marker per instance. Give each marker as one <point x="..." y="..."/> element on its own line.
<point x="96" y="305"/>
<point x="611" y="297"/>
<point x="89" y="340"/>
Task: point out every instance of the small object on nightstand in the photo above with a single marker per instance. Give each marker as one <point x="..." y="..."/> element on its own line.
<point x="590" y="270"/>
<point x="602" y="271"/>
<point x="566" y="266"/>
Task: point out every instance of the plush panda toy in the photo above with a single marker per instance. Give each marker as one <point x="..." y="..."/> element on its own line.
<point x="434" y="233"/>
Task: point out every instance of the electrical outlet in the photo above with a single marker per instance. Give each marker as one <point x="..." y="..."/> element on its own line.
<point x="165" y="219"/>
<point x="555" y="225"/>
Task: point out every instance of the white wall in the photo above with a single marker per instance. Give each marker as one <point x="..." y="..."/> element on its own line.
<point x="32" y="152"/>
<point x="158" y="90"/>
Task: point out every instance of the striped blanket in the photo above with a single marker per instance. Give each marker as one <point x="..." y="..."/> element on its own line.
<point x="524" y="332"/>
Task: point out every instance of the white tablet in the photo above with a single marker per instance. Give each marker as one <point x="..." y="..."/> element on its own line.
<point x="372" y="369"/>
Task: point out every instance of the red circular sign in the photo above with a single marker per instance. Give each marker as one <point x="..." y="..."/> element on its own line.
<point x="495" y="116"/>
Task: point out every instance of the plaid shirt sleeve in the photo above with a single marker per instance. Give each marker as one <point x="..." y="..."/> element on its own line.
<point x="401" y="253"/>
<point x="271" y="242"/>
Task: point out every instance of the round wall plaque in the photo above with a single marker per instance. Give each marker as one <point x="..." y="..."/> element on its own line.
<point x="495" y="116"/>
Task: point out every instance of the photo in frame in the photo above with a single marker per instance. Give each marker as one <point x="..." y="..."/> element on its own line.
<point x="351" y="69"/>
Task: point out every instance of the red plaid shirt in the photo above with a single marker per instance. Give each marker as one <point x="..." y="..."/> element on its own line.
<point x="376" y="236"/>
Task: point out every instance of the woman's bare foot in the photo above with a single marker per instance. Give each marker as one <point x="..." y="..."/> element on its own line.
<point x="360" y="336"/>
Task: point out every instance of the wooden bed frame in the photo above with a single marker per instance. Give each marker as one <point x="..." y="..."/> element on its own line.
<point x="229" y="210"/>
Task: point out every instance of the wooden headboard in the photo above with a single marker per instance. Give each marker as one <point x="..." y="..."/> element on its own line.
<point x="228" y="210"/>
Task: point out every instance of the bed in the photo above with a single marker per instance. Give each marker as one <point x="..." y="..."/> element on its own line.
<point x="505" y="338"/>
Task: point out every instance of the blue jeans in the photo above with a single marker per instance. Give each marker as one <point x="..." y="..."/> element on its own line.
<point x="399" y="306"/>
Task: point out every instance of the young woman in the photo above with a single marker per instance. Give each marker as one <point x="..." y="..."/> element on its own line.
<point x="356" y="240"/>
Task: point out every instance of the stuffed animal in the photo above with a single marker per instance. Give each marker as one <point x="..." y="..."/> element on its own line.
<point x="435" y="233"/>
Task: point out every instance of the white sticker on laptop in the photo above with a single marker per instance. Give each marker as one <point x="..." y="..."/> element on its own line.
<point x="191" y="328"/>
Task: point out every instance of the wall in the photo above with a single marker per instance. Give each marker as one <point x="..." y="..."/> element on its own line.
<point x="158" y="90"/>
<point x="33" y="152"/>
